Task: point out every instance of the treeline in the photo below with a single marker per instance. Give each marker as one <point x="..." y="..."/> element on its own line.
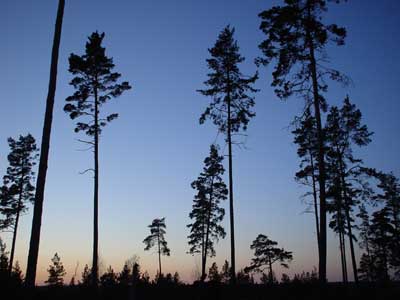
<point x="359" y="203"/>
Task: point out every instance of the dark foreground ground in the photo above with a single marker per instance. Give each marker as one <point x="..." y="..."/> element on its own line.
<point x="211" y="292"/>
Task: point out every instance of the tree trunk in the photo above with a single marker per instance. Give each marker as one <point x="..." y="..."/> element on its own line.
<point x="270" y="279"/>
<point x="321" y="161"/>
<point x="314" y="186"/>
<point x="232" y="225"/>
<point x="204" y="262"/>
<point x="95" y="263"/>
<point x="348" y="221"/>
<point x="159" y="252"/>
<point x="19" y="206"/>
<point x="44" y="154"/>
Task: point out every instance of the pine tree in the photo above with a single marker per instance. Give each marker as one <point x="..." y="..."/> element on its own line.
<point x="177" y="279"/>
<point x="225" y="272"/>
<point x="305" y="137"/>
<point x="109" y="278"/>
<point x="207" y="214"/>
<point x="21" y="159"/>
<point x="16" y="274"/>
<point x="124" y="277"/>
<point x="56" y="272"/>
<point x="366" y="263"/>
<point x="213" y="274"/>
<point x="86" y="276"/>
<point x="381" y="236"/>
<point x="95" y="85"/>
<point x="296" y="38"/>
<point x="157" y="238"/>
<point x="3" y="262"/>
<point x="266" y="254"/>
<point x="343" y="131"/>
<point x="230" y="109"/>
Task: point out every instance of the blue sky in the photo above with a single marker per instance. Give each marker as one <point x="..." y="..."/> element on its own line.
<point x="152" y="152"/>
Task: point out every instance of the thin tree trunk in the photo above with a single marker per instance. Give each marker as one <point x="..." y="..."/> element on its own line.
<point x="159" y="253"/>
<point x="314" y="186"/>
<point x="321" y="161"/>
<point x="231" y="211"/>
<point x="207" y="232"/>
<point x="232" y="225"/>
<point x="95" y="264"/>
<point x="44" y="154"/>
<point x="15" y="230"/>
<point x="270" y="279"/>
<point x="348" y="221"/>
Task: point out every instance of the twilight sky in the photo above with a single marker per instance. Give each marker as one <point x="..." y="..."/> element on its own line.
<point x="155" y="149"/>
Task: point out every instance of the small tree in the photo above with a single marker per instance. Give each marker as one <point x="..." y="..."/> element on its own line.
<point x="213" y="274"/>
<point x="124" y="277"/>
<point x="157" y="238"/>
<point x="266" y="254"/>
<point x="95" y="84"/>
<point x="3" y="261"/>
<point x="109" y="278"/>
<point x="86" y="276"/>
<point x="225" y="272"/>
<point x="206" y="214"/>
<point x="16" y="274"/>
<point x="231" y="104"/>
<point x="56" y="272"/>
<point x="21" y="159"/>
<point x="176" y="279"/>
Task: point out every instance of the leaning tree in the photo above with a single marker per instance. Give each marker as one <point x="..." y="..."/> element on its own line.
<point x="95" y="85"/>
<point x="157" y="238"/>
<point x="231" y="106"/>
<point x="297" y="39"/>
<point x="206" y="213"/>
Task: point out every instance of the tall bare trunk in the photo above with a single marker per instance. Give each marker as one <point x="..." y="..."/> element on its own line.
<point x="44" y="154"/>
<point x="95" y="263"/>
<point x="159" y="252"/>
<point x="232" y="224"/>
<point x="321" y="159"/>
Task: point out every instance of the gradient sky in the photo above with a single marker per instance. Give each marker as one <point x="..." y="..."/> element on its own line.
<point x="150" y="155"/>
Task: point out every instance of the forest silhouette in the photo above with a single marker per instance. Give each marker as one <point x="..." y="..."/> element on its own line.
<point x="360" y="204"/>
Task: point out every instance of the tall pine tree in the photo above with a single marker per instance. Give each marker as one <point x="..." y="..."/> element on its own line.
<point x="95" y="85"/>
<point x="231" y="106"/>
<point x="296" y="38"/>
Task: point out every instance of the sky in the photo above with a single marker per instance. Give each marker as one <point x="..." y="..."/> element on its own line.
<point x="155" y="149"/>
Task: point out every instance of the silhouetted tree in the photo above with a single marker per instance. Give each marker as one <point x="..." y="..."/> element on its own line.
<point x="109" y="278"/>
<point x="366" y="264"/>
<point x="21" y="159"/>
<point x="177" y="279"/>
<point x="16" y="275"/>
<point x="86" y="276"/>
<point x="145" y="277"/>
<point x="306" y="139"/>
<point x="225" y="272"/>
<point x="344" y="130"/>
<point x="156" y="238"/>
<point x="297" y="39"/>
<point x="231" y="104"/>
<point x="244" y="278"/>
<point x="95" y="84"/>
<point x="7" y="197"/>
<point x="206" y="212"/>
<point x="44" y="153"/>
<point x="266" y="254"/>
<point x="56" y="272"/>
<point x="285" y="279"/>
<point x="381" y="237"/>
<point x="124" y="277"/>
<point x="390" y="195"/>
<point x="213" y="273"/>
<point x="3" y="262"/>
